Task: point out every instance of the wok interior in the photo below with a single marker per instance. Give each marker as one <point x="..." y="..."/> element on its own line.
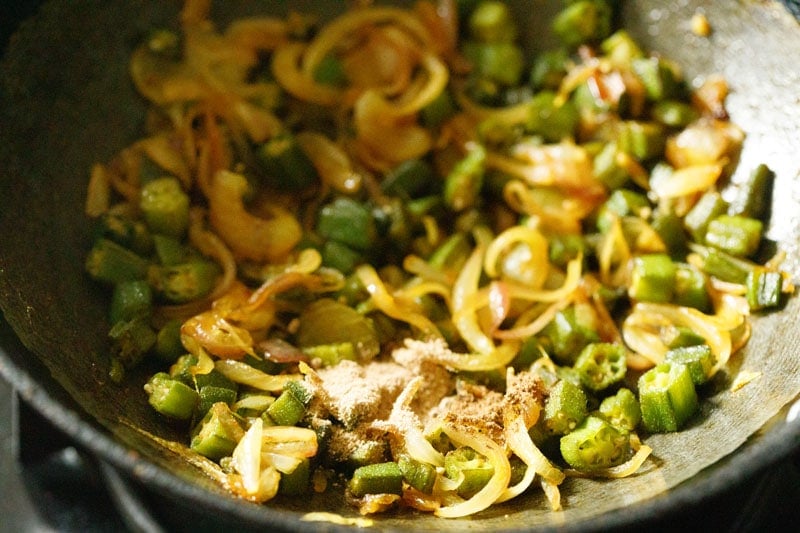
<point x="67" y="103"/>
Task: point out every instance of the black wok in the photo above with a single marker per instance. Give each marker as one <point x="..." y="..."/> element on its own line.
<point x="66" y="102"/>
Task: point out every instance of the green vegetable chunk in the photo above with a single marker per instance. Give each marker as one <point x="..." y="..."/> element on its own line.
<point x="764" y="289"/>
<point x="379" y="478"/>
<point x="593" y="445"/>
<point x="698" y="359"/>
<point x="737" y="235"/>
<point x="286" y="410"/>
<point x="652" y="278"/>
<point x="667" y="397"/>
<point x="622" y="410"/>
<point x="165" y="206"/>
<point x="298" y="481"/>
<point x="463" y="184"/>
<point x="474" y="467"/>
<point x="171" y="397"/>
<point x="218" y="433"/>
<point x="601" y="365"/>
<point x="565" y="408"/>
<point x="130" y="299"/>
<point x="419" y="475"/>
<point x="583" y="21"/>
<point x="112" y="263"/>
<point x="492" y="21"/>
<point x="184" y="282"/>
<point x="285" y="162"/>
<point x="349" y="222"/>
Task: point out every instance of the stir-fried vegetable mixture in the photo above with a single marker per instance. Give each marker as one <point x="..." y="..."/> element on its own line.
<point x="390" y="254"/>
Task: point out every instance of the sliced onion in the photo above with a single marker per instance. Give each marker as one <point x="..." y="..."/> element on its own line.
<point x="289" y="440"/>
<point x="384" y="301"/>
<point x="247" y="375"/>
<point x="495" y="455"/>
<point x="285" y="464"/>
<point x="464" y="316"/>
<point x="331" y="162"/>
<point x="286" y="69"/>
<point x="249" y="236"/>
<point x="708" y="326"/>
<point x="687" y="180"/>
<point x="247" y="457"/>
<point x="403" y="418"/>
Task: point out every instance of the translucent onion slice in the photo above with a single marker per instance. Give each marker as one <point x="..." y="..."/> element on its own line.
<point x="247" y="375"/>
<point x="708" y="326"/>
<point x="285" y="464"/>
<point x="246" y="457"/>
<point x="331" y="162"/>
<point x="552" y="493"/>
<point x="249" y="236"/>
<point x="496" y="456"/>
<point x="289" y="440"/>
<point x="532" y="267"/>
<point x="161" y="149"/>
<point x="464" y="315"/>
<point x="403" y="418"/>
<point x="218" y="336"/>
<point x="254" y="401"/>
<point x="518" y="439"/>
<point x="687" y="180"/>
<point x="286" y="69"/>
<point x="338" y="30"/>
<point x="384" y="301"/>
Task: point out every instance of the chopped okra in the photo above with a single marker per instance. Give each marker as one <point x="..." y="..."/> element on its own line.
<point x="594" y="444"/>
<point x="405" y="247"/>
<point x="380" y="478"/>
<point x="667" y="397"/>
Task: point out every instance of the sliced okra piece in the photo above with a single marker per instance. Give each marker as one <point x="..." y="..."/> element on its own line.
<point x="379" y="478"/>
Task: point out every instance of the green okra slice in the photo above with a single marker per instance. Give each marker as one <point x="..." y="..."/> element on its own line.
<point x="130" y="299"/>
<point x="565" y="408"/>
<point x="764" y="289"/>
<point x="417" y="474"/>
<point x="171" y="397"/>
<point x="582" y="22"/>
<point x="165" y="206"/>
<point x="183" y="282"/>
<point x="492" y="21"/>
<point x="218" y="433"/>
<point x="622" y="410"/>
<point x="594" y="444"/>
<point x="667" y="397"/>
<point x="298" y="481"/>
<point x="463" y="184"/>
<point x="698" y="359"/>
<point x="112" y="263"/>
<point x="286" y="410"/>
<point x="473" y="466"/>
<point x="349" y="222"/>
<point x="737" y="235"/>
<point x="652" y="278"/>
<point x="379" y="478"/>
<point x="601" y="365"/>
